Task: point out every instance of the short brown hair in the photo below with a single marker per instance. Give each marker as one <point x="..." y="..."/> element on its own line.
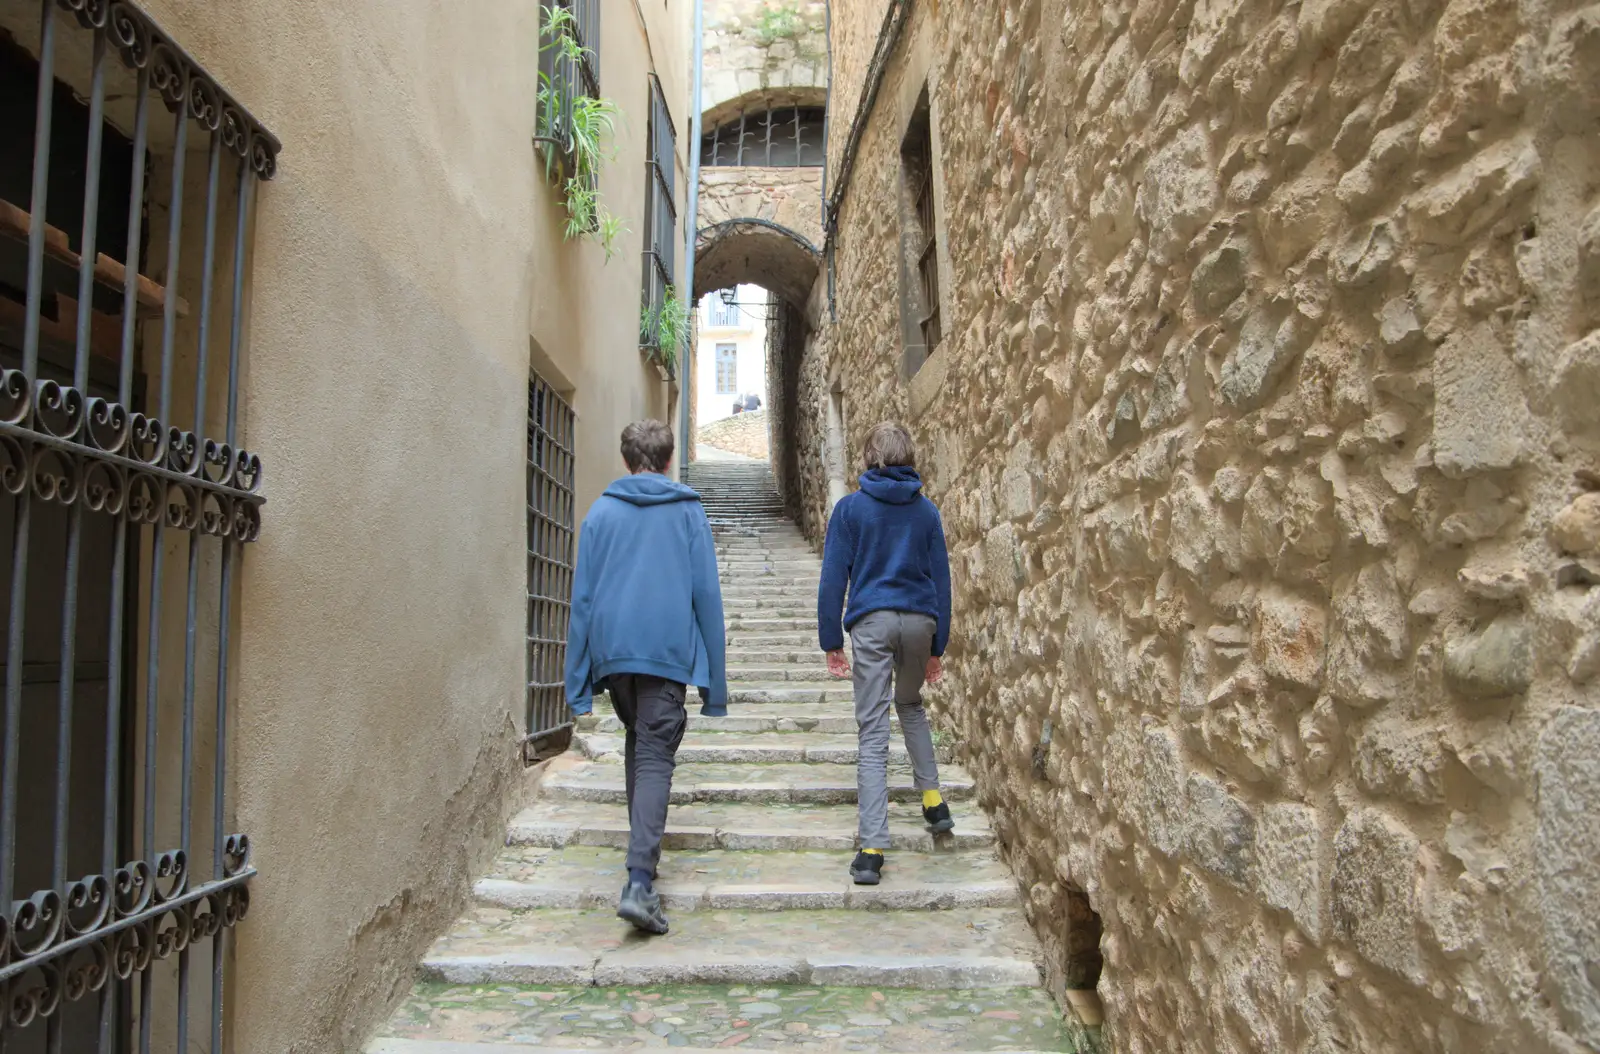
<point x="647" y="446"/>
<point x="889" y="445"/>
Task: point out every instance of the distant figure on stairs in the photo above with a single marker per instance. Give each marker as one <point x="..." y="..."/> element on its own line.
<point x="885" y="544"/>
<point x="647" y="621"/>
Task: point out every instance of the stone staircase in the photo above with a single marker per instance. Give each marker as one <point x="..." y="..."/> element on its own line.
<point x="772" y="947"/>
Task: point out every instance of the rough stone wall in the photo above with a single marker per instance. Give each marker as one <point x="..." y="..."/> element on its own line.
<point x="1270" y="463"/>
<point x="773" y="49"/>
<point x="790" y="197"/>
<point x="744" y="433"/>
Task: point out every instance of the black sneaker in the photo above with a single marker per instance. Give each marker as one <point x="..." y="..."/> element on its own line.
<point x="867" y="869"/>
<point x="938" y="818"/>
<point x="642" y="907"/>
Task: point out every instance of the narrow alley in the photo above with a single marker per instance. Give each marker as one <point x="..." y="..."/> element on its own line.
<point x="771" y="944"/>
<point x="1247" y="350"/>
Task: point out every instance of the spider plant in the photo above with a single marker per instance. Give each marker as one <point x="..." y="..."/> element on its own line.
<point x="575" y="129"/>
<point x="665" y="328"/>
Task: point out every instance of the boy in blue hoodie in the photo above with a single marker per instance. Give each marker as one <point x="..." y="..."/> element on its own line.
<point x="886" y="544"/>
<point x="646" y="622"/>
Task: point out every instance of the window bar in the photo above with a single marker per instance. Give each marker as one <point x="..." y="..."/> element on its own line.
<point x="192" y="597"/>
<point x="19" y="545"/>
<point x="740" y="159"/>
<point x="168" y="865"/>
<point x="119" y="551"/>
<point x="74" y="537"/>
<point x="225" y="607"/>
<point x="766" y="120"/>
<point x="797" y="137"/>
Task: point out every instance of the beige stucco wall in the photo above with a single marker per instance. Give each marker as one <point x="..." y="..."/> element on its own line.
<point x="407" y="268"/>
<point x="1265" y="443"/>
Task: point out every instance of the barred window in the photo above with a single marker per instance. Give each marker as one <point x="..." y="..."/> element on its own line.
<point x="127" y="175"/>
<point x="789" y="137"/>
<point x="727" y="369"/>
<point x="661" y="217"/>
<point x="564" y="77"/>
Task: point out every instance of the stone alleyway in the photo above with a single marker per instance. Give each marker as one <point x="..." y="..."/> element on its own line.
<point x="772" y="947"/>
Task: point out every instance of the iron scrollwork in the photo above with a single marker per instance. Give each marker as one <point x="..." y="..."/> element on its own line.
<point x="58" y="946"/>
<point x="75" y="450"/>
<point x="181" y="82"/>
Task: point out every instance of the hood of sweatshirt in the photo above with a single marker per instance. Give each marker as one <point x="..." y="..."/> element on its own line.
<point x="649" y="488"/>
<point x="896" y="485"/>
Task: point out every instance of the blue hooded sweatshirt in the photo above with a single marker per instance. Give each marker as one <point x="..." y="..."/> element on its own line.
<point x="886" y="543"/>
<point x="645" y="599"/>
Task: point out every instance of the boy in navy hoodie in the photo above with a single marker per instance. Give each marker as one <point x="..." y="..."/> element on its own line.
<point x="646" y="622"/>
<point x="886" y="544"/>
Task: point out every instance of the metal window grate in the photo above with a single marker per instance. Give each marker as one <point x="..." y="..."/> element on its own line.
<point x="114" y="854"/>
<point x="787" y="137"/>
<point x="661" y="217"/>
<point x="551" y="513"/>
<point x="567" y="78"/>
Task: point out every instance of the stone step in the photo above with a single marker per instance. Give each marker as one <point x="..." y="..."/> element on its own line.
<point x="748" y="718"/>
<point x="966" y="948"/>
<point x="765" y="602"/>
<point x="603" y="781"/>
<point x="526" y="877"/>
<point x="806" y="638"/>
<point x="553" y="824"/>
<point x="524" y="1019"/>
<point x="791" y="692"/>
<point x="737" y="622"/>
<point x="767" y="592"/>
<point x="815" y="670"/>
<point x="773" y="654"/>
<point x="814" y="748"/>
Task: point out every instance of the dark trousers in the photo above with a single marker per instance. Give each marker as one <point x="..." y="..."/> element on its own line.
<point x="651" y="709"/>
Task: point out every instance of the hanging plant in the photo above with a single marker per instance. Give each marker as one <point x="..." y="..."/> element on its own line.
<point x="665" y="329"/>
<point x="576" y="131"/>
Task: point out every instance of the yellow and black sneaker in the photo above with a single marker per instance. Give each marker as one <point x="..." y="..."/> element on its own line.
<point x="935" y="813"/>
<point x="867" y="868"/>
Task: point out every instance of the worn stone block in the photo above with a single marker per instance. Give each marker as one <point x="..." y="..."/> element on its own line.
<point x="1566" y="847"/>
<point x="1289" y="863"/>
<point x="1376" y="868"/>
<point x="1161" y="794"/>
<point x="1290" y="638"/>
<point x="1494" y="662"/>
<point x="1480" y="421"/>
<point x="1397" y="761"/>
<point x="1179" y="192"/>
<point x="1219" y="832"/>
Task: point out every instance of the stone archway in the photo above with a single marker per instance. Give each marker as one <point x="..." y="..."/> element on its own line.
<point x="785" y="262"/>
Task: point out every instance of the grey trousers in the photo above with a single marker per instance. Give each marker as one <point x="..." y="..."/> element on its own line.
<point x="890" y="646"/>
<point x="651" y="709"/>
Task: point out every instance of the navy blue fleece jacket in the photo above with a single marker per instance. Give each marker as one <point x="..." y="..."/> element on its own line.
<point x="886" y="544"/>
<point x="645" y="598"/>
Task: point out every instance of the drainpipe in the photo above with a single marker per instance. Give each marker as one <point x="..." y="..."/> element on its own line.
<point x="691" y="228"/>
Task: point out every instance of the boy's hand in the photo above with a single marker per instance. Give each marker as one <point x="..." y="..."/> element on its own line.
<point x="838" y="665"/>
<point x="935" y="671"/>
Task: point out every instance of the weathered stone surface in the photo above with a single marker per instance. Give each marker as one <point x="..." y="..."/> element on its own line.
<point x="1576" y="528"/>
<point x="1375" y="875"/>
<point x="1576" y="384"/>
<point x="1339" y="262"/>
<point x="1481" y="421"/>
<point x="1566" y="847"/>
<point x="1493" y="662"/>
<point x="1290" y="638"/>
<point x="1219" y="832"/>
<point x="1288" y="863"/>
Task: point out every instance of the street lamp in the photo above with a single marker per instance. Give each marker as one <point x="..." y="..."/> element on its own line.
<point x="728" y="296"/>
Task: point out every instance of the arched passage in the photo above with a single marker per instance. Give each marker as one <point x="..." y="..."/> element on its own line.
<point x="786" y="263"/>
<point x="758" y="251"/>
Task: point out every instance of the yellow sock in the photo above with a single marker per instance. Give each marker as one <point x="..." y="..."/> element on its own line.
<point x="932" y="799"/>
<point x="873" y="852"/>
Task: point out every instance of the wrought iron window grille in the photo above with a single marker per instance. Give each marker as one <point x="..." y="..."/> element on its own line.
<point x="785" y="137"/>
<point x="568" y="74"/>
<point x="917" y="161"/>
<point x="552" y="513"/>
<point x="661" y="225"/>
<point x="83" y="909"/>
